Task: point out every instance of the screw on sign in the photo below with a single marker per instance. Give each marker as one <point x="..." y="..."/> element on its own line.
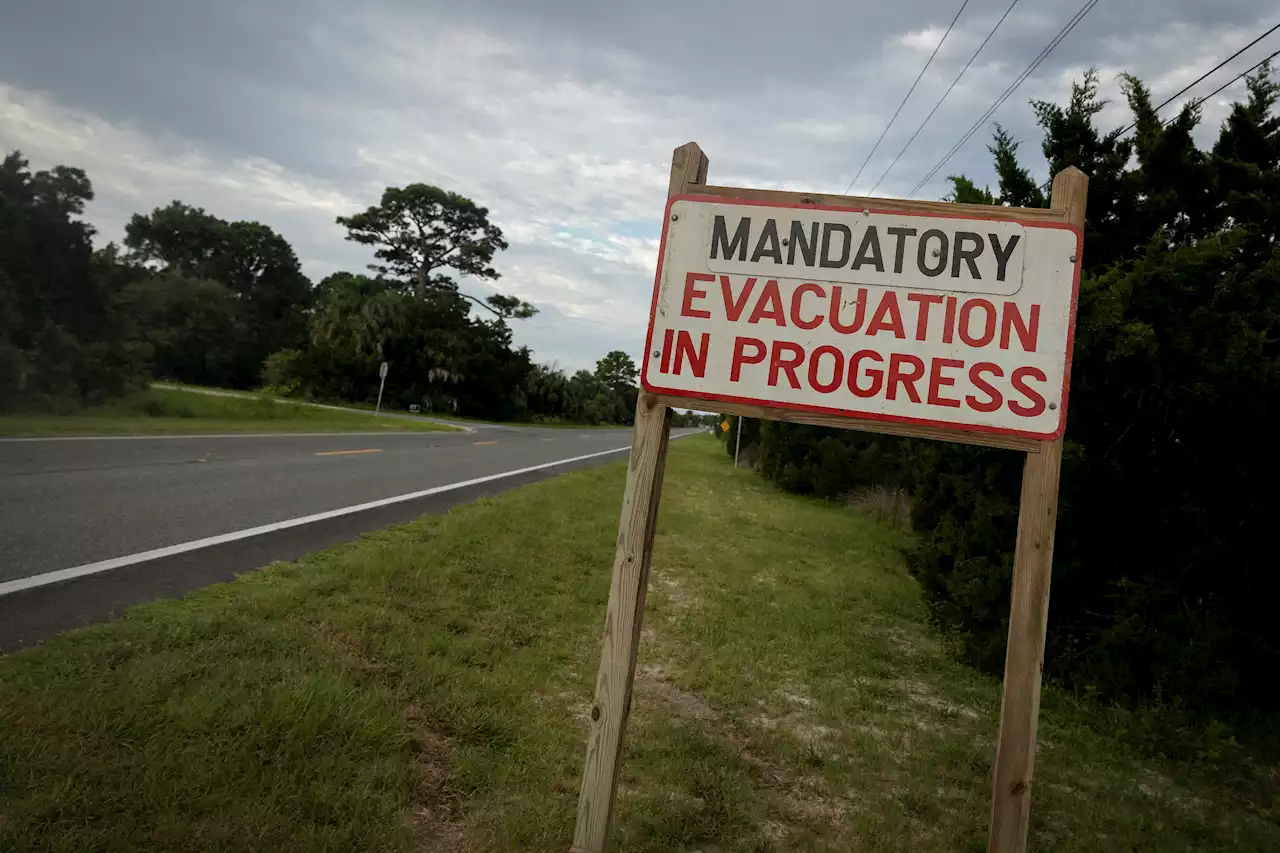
<point x="925" y="319"/>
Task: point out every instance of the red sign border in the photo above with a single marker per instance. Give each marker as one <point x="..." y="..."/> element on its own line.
<point x="854" y="413"/>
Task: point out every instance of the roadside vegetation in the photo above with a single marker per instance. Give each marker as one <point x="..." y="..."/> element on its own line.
<point x="194" y="298"/>
<point x="427" y="688"/>
<point x="1164" y="571"/>
<point x="159" y="410"/>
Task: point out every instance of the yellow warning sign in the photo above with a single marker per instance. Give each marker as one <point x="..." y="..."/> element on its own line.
<point x="724" y="425"/>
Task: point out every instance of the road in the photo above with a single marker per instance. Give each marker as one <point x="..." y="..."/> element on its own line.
<point x="134" y="519"/>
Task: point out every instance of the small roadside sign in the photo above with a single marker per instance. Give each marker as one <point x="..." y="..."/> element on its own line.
<point x="414" y="408"/>
<point x="946" y="320"/>
<point x="382" y="371"/>
<point x="724" y="425"/>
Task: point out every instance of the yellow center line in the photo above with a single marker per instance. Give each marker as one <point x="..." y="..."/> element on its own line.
<point x="346" y="452"/>
<point x="479" y="443"/>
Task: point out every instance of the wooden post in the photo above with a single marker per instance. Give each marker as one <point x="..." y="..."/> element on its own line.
<point x="1029" y="610"/>
<point x="631" y="562"/>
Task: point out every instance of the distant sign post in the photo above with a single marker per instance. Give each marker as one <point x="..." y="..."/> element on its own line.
<point x="924" y="319"/>
<point x="382" y="382"/>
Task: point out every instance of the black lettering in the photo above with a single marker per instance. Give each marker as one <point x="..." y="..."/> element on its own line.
<point x="720" y="238"/>
<point x="869" y="251"/>
<point x="809" y="250"/>
<point x="967" y="255"/>
<point x="902" y="234"/>
<point x="923" y="253"/>
<point x="827" y="230"/>
<point x="769" y="235"/>
<point x="1002" y="255"/>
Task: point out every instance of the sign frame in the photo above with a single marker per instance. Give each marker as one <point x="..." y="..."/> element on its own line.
<point x="1033" y="552"/>
<point x="1061" y="403"/>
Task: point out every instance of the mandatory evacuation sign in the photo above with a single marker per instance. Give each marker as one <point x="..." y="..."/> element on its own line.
<point x="876" y="314"/>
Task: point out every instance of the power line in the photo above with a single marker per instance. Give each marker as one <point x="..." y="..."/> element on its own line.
<point x="1184" y="89"/>
<point x="908" y="96"/>
<point x="944" y="96"/>
<point x="1035" y="63"/>
<point x="1200" y="101"/>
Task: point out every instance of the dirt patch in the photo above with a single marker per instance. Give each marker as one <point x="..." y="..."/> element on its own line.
<point x="652" y="679"/>
<point x="921" y="695"/>
<point x="673" y="589"/>
<point x="435" y="814"/>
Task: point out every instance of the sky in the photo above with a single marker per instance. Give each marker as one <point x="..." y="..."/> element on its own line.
<point x="559" y="116"/>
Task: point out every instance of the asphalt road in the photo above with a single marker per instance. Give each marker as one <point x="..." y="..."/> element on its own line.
<point x="65" y="503"/>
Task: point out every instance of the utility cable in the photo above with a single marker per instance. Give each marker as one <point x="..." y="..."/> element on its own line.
<point x="944" y="97"/>
<point x="871" y="153"/>
<point x="1035" y="63"/>
<point x="1190" y="85"/>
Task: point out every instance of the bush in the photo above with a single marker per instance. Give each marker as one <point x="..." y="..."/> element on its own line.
<point x="1164" y="568"/>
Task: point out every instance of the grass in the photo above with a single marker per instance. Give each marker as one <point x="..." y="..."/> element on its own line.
<point x="446" y="416"/>
<point x="427" y="688"/>
<point x="159" y="411"/>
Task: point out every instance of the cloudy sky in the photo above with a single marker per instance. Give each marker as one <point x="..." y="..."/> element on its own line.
<point x="557" y="115"/>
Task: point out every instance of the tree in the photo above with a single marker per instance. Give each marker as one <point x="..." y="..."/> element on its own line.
<point x="257" y="266"/>
<point x="60" y="335"/>
<point x="965" y="191"/>
<point x="617" y="370"/>
<point x="1164" y="558"/>
<point x="1017" y="188"/>
<point x="423" y="232"/>
<point x="191" y="325"/>
<point x="441" y="357"/>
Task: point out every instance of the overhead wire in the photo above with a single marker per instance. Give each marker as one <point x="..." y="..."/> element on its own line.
<point x="1193" y="83"/>
<point x="944" y="97"/>
<point x="1004" y="96"/>
<point x="1198" y="101"/>
<point x="937" y="48"/>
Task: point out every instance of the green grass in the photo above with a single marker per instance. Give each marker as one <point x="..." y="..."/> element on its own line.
<point x="158" y="411"/>
<point x="426" y="688"/>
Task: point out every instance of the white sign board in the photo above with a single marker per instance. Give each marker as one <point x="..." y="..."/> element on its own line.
<point x="382" y="371"/>
<point x="873" y="314"/>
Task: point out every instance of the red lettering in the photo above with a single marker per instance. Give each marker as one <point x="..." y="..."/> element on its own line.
<point x="733" y="307"/>
<point x="937" y="381"/>
<point x="1018" y="378"/>
<point x="924" y="300"/>
<point x="698" y="360"/>
<point x="859" y="310"/>
<point x="837" y="371"/>
<point x="691" y="292"/>
<point x="740" y="357"/>
<point x="796" y="296"/>
<point x="898" y="376"/>
<point x="772" y="298"/>
<point x="994" y="399"/>
<point x="776" y="362"/>
<point x="888" y="307"/>
<point x="949" y="320"/>
<point x="1028" y="332"/>
<point x="665" y="366"/>
<point x="877" y="376"/>
<point x="988" y="329"/>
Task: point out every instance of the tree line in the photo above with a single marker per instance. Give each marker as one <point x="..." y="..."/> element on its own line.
<point x="1165" y="568"/>
<point x="191" y="297"/>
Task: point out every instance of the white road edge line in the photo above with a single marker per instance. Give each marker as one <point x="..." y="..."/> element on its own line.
<point x="10" y="587"/>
